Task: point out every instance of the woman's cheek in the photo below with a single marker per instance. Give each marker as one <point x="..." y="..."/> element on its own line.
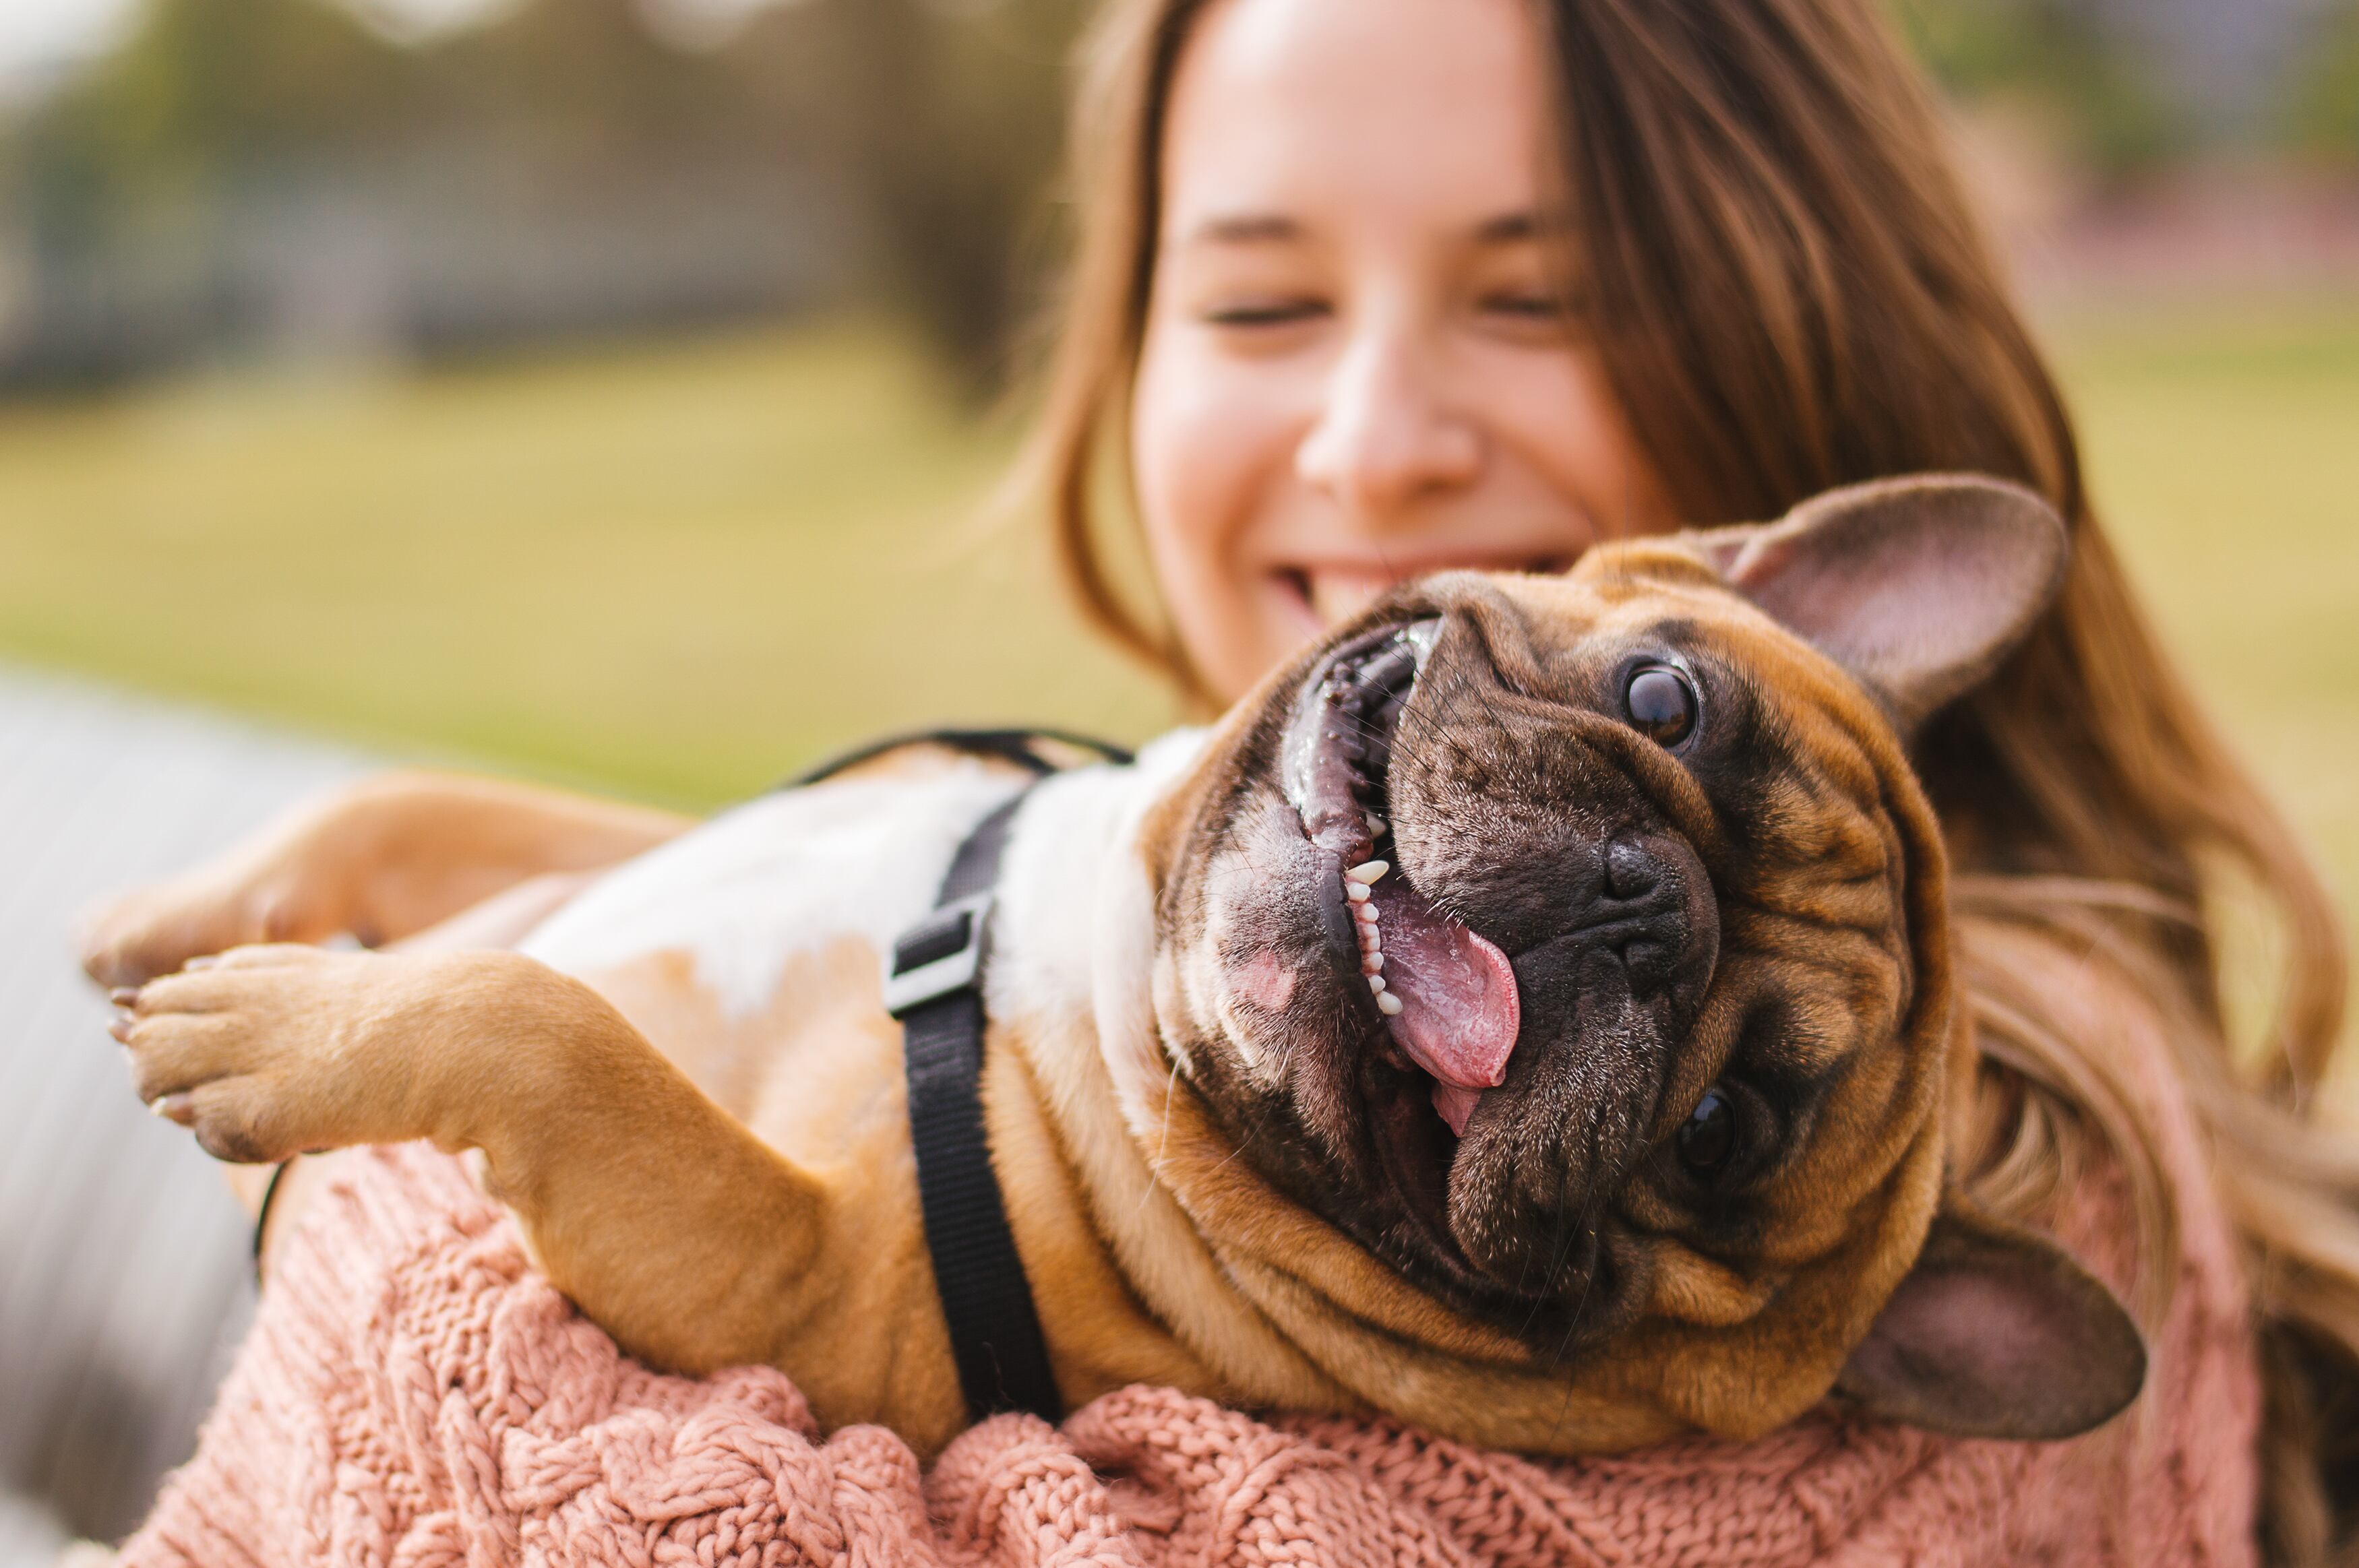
<point x="1212" y="453"/>
<point x="1557" y="413"/>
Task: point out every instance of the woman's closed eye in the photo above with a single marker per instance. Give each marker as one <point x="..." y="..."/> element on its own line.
<point x="1524" y="302"/>
<point x="1260" y="313"/>
<point x="1529" y="312"/>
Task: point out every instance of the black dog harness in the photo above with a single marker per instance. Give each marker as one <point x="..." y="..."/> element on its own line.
<point x="933" y="984"/>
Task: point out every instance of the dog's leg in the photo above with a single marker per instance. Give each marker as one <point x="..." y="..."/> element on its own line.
<point x="379" y="860"/>
<point x="661" y="1215"/>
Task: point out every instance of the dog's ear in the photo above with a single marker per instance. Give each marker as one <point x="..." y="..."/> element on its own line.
<point x="1996" y="1332"/>
<point x="1918" y="585"/>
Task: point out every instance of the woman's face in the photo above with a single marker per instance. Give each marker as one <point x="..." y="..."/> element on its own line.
<point x="1357" y="367"/>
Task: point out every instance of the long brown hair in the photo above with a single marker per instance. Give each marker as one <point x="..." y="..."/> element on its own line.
<point x="1788" y="291"/>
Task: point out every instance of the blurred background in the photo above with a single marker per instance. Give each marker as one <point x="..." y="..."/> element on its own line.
<point x="603" y="391"/>
<point x="602" y="388"/>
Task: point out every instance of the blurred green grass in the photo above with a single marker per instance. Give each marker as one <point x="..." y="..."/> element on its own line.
<point x="680" y="571"/>
<point x="2223" y="447"/>
<point x="677" y="571"/>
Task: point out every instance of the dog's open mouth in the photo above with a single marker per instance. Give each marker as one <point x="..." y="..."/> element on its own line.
<point x="1446" y="995"/>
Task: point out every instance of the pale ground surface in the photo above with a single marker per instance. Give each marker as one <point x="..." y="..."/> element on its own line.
<point x="122" y="1262"/>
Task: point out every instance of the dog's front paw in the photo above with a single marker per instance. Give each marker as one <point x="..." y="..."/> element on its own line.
<point x="268" y="1052"/>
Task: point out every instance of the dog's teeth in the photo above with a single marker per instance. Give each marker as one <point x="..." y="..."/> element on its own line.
<point x="1356" y="891"/>
<point x="1376" y="984"/>
<point x="1388" y="1004"/>
<point x="1374" y="960"/>
<point x="1369" y="873"/>
<point x="1375" y="823"/>
<point x="1365" y="911"/>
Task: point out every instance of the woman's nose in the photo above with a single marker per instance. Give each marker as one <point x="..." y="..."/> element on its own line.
<point x="1385" y="438"/>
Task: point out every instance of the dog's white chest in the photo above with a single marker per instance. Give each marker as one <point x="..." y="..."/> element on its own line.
<point x="787" y="874"/>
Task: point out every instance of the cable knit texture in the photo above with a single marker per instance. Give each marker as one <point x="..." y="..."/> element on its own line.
<point x="415" y="1395"/>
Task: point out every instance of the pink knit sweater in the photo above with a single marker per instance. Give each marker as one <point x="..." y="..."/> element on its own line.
<point x="414" y="1395"/>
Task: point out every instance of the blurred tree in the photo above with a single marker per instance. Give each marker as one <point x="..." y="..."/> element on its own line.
<point x="2321" y="103"/>
<point x="948" y="116"/>
<point x="201" y="86"/>
<point x="584" y="76"/>
<point x="2070" y="59"/>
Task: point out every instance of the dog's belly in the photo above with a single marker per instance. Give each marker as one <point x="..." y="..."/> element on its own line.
<point x="750" y="951"/>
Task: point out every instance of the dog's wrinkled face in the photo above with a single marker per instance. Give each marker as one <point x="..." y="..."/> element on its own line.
<point x="1575" y="944"/>
<point x="1632" y="934"/>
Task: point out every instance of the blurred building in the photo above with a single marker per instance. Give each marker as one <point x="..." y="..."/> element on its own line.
<point x="412" y="256"/>
<point x="2225" y="62"/>
<point x="249" y="178"/>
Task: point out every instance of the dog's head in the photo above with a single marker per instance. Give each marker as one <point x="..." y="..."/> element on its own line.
<point x="1577" y="946"/>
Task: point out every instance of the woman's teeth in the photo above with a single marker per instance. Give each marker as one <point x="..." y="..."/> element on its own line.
<point x="1356" y="883"/>
<point x="1338" y="593"/>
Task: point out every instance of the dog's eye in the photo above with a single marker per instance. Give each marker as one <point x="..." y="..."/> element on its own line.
<point x="1708" y="1137"/>
<point x="1661" y="705"/>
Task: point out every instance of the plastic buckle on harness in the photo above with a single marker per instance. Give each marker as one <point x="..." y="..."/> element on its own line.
<point x="938" y="956"/>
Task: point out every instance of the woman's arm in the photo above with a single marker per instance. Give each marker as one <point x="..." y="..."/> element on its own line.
<point x="382" y="860"/>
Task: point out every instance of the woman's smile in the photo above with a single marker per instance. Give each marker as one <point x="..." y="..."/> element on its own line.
<point x="1324" y="593"/>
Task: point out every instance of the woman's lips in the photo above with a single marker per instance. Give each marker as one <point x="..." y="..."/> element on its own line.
<point x="1333" y="592"/>
<point x="1336" y="594"/>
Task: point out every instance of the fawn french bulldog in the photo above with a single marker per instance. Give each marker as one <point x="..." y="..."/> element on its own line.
<point x="1528" y="1015"/>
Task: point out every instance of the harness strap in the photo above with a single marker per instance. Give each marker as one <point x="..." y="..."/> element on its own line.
<point x="935" y="987"/>
<point x="1021" y="747"/>
<point x="933" y="984"/>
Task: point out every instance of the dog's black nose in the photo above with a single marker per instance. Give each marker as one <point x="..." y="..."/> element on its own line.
<point x="1654" y="909"/>
<point x="1631" y="871"/>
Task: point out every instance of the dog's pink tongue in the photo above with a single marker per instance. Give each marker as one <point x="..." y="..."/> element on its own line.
<point x="1459" y="1009"/>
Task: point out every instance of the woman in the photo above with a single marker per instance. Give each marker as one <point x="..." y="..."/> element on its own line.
<point x="1372" y="287"/>
<point x="1692" y="263"/>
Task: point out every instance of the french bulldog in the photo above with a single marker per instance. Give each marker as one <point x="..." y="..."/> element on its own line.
<point x="1529" y="1015"/>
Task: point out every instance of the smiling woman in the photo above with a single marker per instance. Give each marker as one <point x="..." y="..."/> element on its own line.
<point x="1369" y="289"/>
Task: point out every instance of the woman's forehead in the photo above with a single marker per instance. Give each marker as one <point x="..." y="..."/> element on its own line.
<point x="1292" y="119"/>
